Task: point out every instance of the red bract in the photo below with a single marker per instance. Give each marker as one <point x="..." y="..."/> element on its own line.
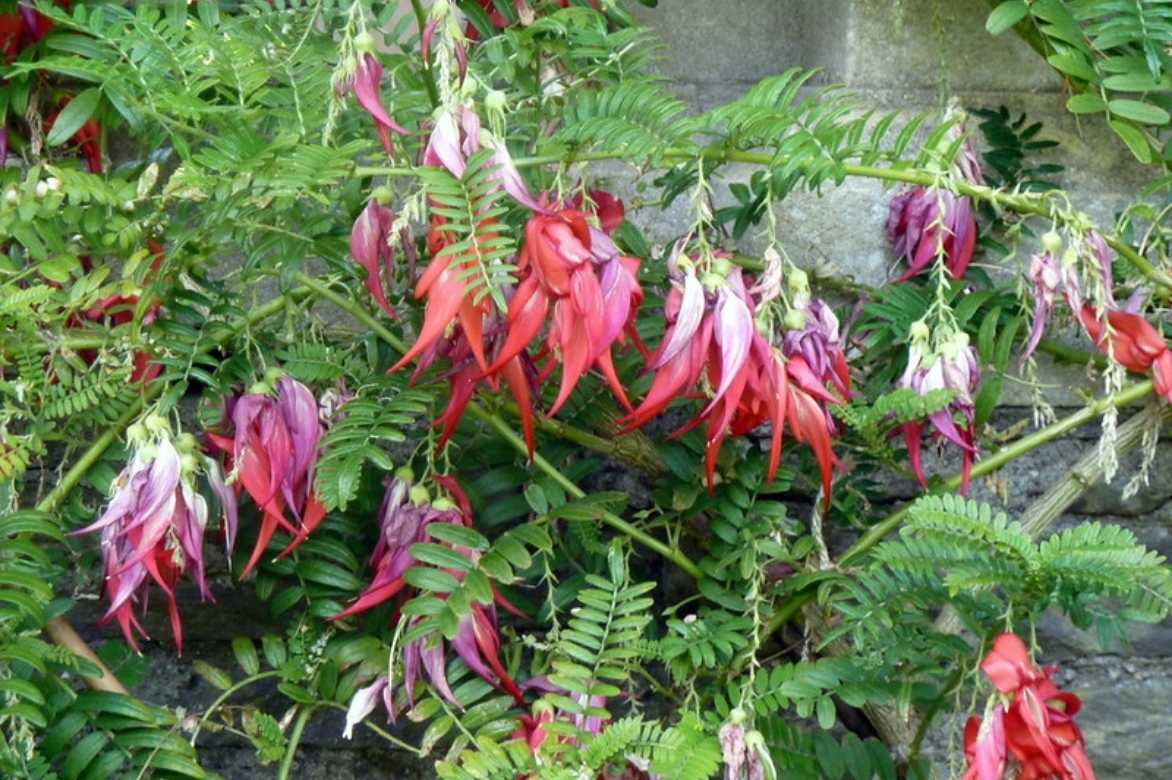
<point x="1038" y="728"/>
<point x="1132" y="342"/>
<point x="153" y="526"/>
<point x="274" y="452"/>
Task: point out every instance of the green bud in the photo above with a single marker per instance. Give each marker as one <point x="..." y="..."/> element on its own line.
<point x="722" y="266"/>
<point x="737" y="716"/>
<point x="795" y="319"/>
<point x="919" y="331"/>
<point x="382" y="195"/>
<point x="419" y="495"/>
<point x="1052" y="242"/>
<point x="273" y="374"/>
<point x="443" y="504"/>
<point x="157" y="424"/>
<point x="754" y="740"/>
<point x="148" y="452"/>
<point x="798" y="281"/>
<point x="136" y="432"/>
<point x="1070" y="257"/>
<point x="186" y="442"/>
<point x="188" y="463"/>
<point x="495" y="100"/>
<point x="261" y="388"/>
<point x="405" y="474"/>
<point x="363" y="42"/>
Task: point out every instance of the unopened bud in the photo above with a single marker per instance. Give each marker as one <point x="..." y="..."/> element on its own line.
<point x="186" y="442"/>
<point x="188" y="463"/>
<point x="443" y="504"/>
<point x="737" y="716"/>
<point x="148" y="452"/>
<point x="127" y="206"/>
<point x="722" y="266"/>
<point x="419" y="495"/>
<point x="754" y="740"/>
<point x="53" y="183"/>
<point x="363" y="42"/>
<point x="41" y="190"/>
<point x="798" y="281"/>
<point x="261" y="388"/>
<point x="382" y="195"/>
<point x="157" y="423"/>
<point x="495" y="100"/>
<point x="274" y="373"/>
<point x="12" y="197"/>
<point x="136" y="433"/>
<point x="919" y="331"/>
<point x="1070" y="257"/>
<point x="440" y="9"/>
<point x="795" y="319"/>
<point x="1052" y="242"/>
<point x="405" y="474"/>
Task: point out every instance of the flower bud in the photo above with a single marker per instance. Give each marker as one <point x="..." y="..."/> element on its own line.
<point x="405" y="474"/>
<point x="136" y="433"/>
<point x="185" y="442"/>
<point x="157" y="424"/>
<point x="127" y="206"/>
<point x="798" y="281"/>
<point x="1070" y="257"/>
<point x="273" y="374"/>
<point x="495" y="100"/>
<point x="53" y="183"/>
<point x="1052" y="242"/>
<point x="148" y="452"/>
<point x="363" y="43"/>
<point x="795" y="319"/>
<point x="261" y="388"/>
<point x="737" y="716"/>
<point x="722" y="266"/>
<point x="382" y="195"/>
<point x="439" y="9"/>
<point x="419" y="495"/>
<point x="188" y="463"/>
<point x="443" y="504"/>
<point x="41" y="190"/>
<point x="919" y="331"/>
<point x="11" y="197"/>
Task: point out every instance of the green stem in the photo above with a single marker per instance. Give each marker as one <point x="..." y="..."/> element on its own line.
<point x="508" y="434"/>
<point x="223" y="697"/>
<point x="294" y="739"/>
<point x="428" y="74"/>
<point x="1022" y="203"/>
<point x="995" y="461"/>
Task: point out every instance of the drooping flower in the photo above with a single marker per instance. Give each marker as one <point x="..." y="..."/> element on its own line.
<point x="153" y="528"/>
<point x="274" y="454"/>
<point x="713" y="336"/>
<point x="952" y="365"/>
<point x="370" y="246"/>
<point x="560" y="277"/>
<point x="1037" y="722"/>
<point x="367" y="90"/>
<point x="924" y="222"/>
<point x="984" y="746"/>
<point x="1132" y="342"/>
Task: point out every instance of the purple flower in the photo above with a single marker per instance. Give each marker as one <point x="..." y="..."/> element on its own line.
<point x="818" y="341"/>
<point x="458" y="135"/>
<point x="1046" y="275"/>
<point x="924" y="222"/>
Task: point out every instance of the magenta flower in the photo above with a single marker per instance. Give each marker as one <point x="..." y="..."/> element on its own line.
<point x="952" y="366"/>
<point x="153" y="527"/>
<point x="366" y="89"/>
<point x="365" y="700"/>
<point x="1046" y="275"/>
<point x="818" y="341"/>
<point x="274" y="453"/>
<point x="370" y="246"/>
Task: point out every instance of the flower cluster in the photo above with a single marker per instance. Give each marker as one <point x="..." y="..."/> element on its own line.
<point x="1033" y="722"/>
<point x="154" y="525"/>
<point x="713" y="337"/>
<point x="273" y="452"/>
<point x="951" y="365"/>
<point x="407" y="511"/>
<point x="926" y="222"/>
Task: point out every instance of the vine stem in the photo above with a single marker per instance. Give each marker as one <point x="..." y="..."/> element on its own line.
<point x="1022" y="446"/>
<point x="223" y="697"/>
<point x="58" y="629"/>
<point x="506" y="432"/>
<point x="1017" y="202"/>
<point x="286" y="767"/>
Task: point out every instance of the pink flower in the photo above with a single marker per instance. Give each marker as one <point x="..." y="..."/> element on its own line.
<point x="819" y="343"/>
<point x="366" y="89"/>
<point x="371" y="248"/>
<point x="152" y="528"/>
<point x="984" y="746"/>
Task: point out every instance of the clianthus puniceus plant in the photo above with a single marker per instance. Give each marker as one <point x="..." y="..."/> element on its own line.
<point x="328" y="306"/>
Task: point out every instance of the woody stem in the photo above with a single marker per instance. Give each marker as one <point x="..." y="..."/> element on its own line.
<point x="352" y="308"/>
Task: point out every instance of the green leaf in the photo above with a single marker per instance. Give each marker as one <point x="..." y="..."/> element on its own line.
<point x="73" y="116"/>
<point x="438" y="555"/>
<point x="214" y="675"/>
<point x="245" y="652"/>
<point x="1006" y="15"/>
<point x="1138" y="111"/>
<point x="429" y="579"/>
<point x="1134" y="138"/>
<point x="1072" y="64"/>
<point x="1086" y="103"/>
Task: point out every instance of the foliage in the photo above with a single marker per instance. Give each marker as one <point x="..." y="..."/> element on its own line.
<point x="180" y="232"/>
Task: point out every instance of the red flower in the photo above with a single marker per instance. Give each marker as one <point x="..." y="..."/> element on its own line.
<point x="371" y="248"/>
<point x="1039" y="727"/>
<point x="1132" y="342"/>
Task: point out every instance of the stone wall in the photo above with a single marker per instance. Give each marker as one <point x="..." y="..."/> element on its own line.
<point x="905" y="54"/>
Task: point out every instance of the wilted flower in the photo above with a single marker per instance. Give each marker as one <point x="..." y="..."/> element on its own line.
<point x="153" y="527"/>
<point x="1038" y="722"/>
<point x="952" y="366"/>
<point x="274" y="452"/>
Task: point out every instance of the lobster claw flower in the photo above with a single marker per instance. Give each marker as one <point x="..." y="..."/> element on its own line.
<point x="1132" y="342"/>
<point x="923" y="222"/>
<point x="363" y="702"/>
<point x="152" y="530"/>
<point x="367" y="81"/>
<point x="820" y="345"/>
<point x="478" y="643"/>
<point x="1036" y="725"/>
<point x="985" y="747"/>
<point x="1046" y="275"/>
<point x="371" y="248"/>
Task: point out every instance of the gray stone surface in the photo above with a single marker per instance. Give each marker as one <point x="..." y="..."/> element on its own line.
<point x="909" y="55"/>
